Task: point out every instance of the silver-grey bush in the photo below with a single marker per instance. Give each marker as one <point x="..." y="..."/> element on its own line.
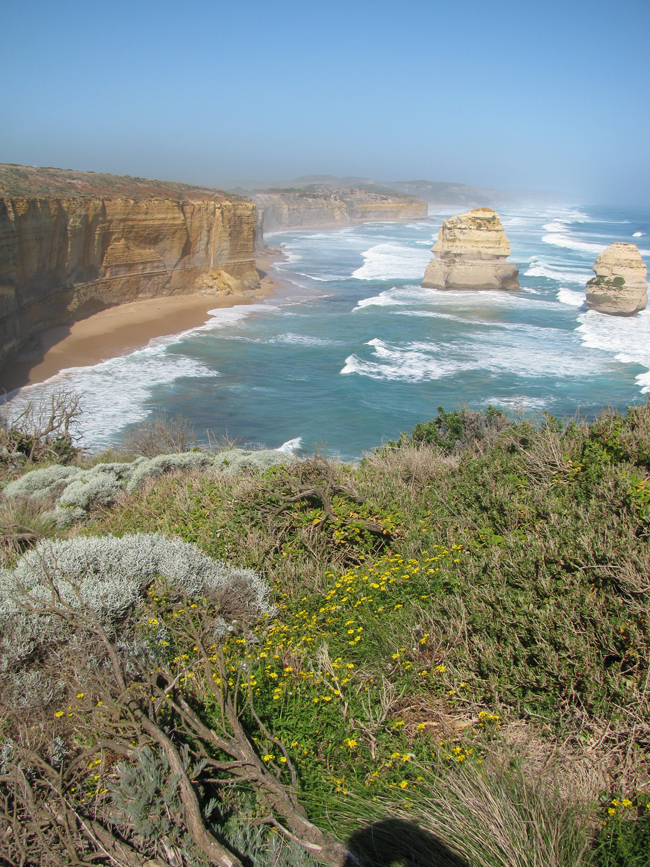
<point x="76" y="491"/>
<point x="107" y="576"/>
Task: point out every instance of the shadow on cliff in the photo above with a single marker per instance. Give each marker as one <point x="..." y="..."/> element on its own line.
<point x="395" y="841"/>
<point x="17" y="372"/>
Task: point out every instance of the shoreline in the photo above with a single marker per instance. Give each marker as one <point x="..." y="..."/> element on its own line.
<point x="123" y="329"/>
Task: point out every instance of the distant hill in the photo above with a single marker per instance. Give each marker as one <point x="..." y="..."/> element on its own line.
<point x="439" y="193"/>
<point x="436" y="193"/>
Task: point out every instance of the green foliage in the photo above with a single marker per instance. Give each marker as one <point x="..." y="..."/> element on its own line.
<point x="34" y="433"/>
<point x="624" y="837"/>
<point x="450" y="431"/>
<point x="301" y="511"/>
<point x="146" y="796"/>
<point x="443" y="431"/>
<point x="479" y="580"/>
<point x="42" y="484"/>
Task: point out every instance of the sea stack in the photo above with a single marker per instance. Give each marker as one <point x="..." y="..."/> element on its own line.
<point x="471" y="253"/>
<point x="620" y="287"/>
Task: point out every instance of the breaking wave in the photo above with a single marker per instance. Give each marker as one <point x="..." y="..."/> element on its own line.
<point x="393" y="262"/>
<point x="626" y="337"/>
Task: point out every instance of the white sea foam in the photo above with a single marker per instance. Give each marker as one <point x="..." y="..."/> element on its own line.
<point x="513" y="403"/>
<point x="541" y="268"/>
<point x="526" y="351"/>
<point x="301" y="340"/>
<point x="412" y="363"/>
<point x="331" y="278"/>
<point x="393" y="262"/>
<point x="290" y="446"/>
<point x="559" y="239"/>
<point x="387" y="298"/>
<point x="626" y="338"/>
<point x="436" y="314"/>
<point x="571" y="297"/>
<point x="480" y="304"/>
<point x="223" y="317"/>
<point x="115" y="393"/>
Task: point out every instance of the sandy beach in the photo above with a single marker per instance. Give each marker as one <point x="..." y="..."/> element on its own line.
<point x="121" y="330"/>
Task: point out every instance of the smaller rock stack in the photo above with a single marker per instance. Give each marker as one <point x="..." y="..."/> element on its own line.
<point x="620" y="287"/>
<point x="471" y="253"/>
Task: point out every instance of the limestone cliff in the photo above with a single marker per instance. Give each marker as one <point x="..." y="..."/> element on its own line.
<point x="471" y="253"/>
<point x="318" y="205"/>
<point x="74" y="243"/>
<point x="620" y="286"/>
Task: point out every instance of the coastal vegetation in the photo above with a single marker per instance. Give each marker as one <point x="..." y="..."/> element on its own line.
<point x="437" y="656"/>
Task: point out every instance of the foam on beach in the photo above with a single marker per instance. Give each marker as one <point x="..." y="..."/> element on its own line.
<point x="117" y="392"/>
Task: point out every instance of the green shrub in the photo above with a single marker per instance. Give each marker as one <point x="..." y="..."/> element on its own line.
<point x="451" y="431"/>
<point x="624" y="837"/>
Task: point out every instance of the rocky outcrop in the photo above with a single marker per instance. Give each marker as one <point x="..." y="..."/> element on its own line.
<point x="620" y="286"/>
<point x="74" y="243"/>
<point x="471" y="253"/>
<point x="318" y="205"/>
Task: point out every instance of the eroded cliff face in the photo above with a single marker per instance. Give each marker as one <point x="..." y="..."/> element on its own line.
<point x="471" y="253"/>
<point x="317" y="205"/>
<point x="90" y="245"/>
<point x="620" y="286"/>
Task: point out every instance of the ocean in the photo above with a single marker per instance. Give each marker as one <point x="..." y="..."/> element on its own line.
<point x="354" y="352"/>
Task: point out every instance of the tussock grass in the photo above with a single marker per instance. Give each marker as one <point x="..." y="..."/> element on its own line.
<point x="23" y="523"/>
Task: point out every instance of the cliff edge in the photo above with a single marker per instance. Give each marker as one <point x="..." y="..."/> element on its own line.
<point x="620" y="286"/>
<point x="317" y="205"/>
<point x="471" y="253"/>
<point x="73" y="243"/>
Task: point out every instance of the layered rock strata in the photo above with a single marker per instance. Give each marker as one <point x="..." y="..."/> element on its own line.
<point x="74" y="243"/>
<point x="471" y="253"/>
<point x="620" y="286"/>
<point x="317" y="205"/>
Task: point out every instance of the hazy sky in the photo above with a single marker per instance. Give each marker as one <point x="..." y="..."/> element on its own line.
<point x="513" y="95"/>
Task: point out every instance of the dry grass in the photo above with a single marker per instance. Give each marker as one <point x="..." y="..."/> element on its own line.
<point x="497" y="816"/>
<point x="161" y="436"/>
<point x="23" y="523"/>
<point x="412" y="466"/>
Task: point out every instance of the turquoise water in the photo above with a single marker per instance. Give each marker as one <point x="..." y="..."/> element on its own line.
<point x="355" y="351"/>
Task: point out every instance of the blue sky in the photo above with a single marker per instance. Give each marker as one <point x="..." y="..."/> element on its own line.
<point x="512" y="95"/>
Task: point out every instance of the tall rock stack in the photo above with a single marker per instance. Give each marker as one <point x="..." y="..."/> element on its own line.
<point x="620" y="287"/>
<point x="471" y="253"/>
